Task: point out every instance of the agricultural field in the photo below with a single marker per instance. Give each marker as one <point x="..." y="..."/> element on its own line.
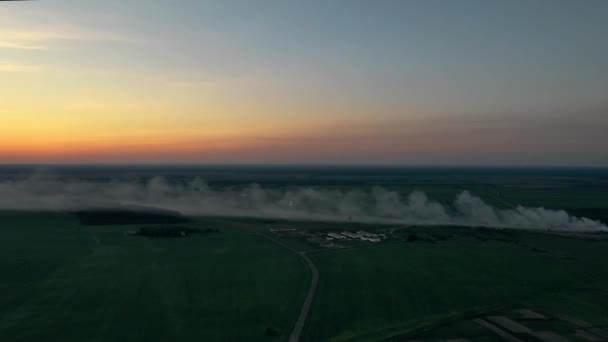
<point x="377" y="293"/>
<point x="134" y="274"/>
<point x="66" y="282"/>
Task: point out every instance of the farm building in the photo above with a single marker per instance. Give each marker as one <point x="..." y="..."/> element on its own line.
<point x="336" y="236"/>
<point x="367" y="234"/>
<point x="351" y="235"/>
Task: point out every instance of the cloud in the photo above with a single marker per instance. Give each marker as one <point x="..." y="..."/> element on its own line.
<point x="194" y="84"/>
<point x="377" y="204"/>
<point x="13" y="44"/>
<point x="31" y="40"/>
<point x="18" y="67"/>
<point x="43" y="39"/>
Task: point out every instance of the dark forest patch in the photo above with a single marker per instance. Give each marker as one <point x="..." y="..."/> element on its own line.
<point x="170" y="231"/>
<point x="103" y="217"/>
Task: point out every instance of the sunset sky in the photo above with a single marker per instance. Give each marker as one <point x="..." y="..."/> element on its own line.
<point x="308" y="82"/>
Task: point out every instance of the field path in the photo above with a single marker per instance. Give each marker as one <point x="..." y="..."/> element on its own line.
<point x="297" y="329"/>
<point x="392" y="231"/>
<point x="299" y="326"/>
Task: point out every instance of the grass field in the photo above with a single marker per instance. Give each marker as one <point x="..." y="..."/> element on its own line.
<point x="375" y="293"/>
<point x="64" y="282"/>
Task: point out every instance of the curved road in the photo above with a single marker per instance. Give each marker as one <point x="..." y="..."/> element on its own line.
<point x="297" y="329"/>
<point x="299" y="326"/>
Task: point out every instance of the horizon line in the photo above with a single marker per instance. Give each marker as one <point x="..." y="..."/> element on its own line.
<point x="320" y="165"/>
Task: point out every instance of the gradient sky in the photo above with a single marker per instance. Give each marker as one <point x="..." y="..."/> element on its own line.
<point x="309" y="82"/>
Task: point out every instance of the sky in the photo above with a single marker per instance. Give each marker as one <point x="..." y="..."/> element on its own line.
<point x="402" y="82"/>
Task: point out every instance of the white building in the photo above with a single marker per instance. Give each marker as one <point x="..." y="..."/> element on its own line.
<point x="336" y="236"/>
<point x="367" y="234"/>
<point x="351" y="235"/>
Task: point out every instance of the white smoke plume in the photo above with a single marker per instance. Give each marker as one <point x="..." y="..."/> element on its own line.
<point x="197" y="198"/>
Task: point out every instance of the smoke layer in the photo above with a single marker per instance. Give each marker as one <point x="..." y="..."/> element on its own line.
<point x="197" y="198"/>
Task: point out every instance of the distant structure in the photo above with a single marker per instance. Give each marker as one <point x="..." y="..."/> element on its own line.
<point x="367" y="234"/>
<point x="351" y="235"/>
<point x="336" y="236"/>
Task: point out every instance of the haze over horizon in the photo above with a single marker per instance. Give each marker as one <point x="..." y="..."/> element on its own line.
<point x="315" y="82"/>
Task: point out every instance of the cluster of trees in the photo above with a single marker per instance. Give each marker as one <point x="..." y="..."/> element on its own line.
<point x="171" y="231"/>
<point x="120" y="216"/>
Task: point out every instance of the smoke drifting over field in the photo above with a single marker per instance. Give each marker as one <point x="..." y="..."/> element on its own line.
<point x="197" y="198"/>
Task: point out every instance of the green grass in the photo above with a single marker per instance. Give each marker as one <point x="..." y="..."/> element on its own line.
<point x="60" y="281"/>
<point x="32" y="248"/>
<point x="96" y="284"/>
<point x="374" y="293"/>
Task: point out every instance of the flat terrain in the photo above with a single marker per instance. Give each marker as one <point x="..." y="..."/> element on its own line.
<point x="64" y="282"/>
<point x="382" y="291"/>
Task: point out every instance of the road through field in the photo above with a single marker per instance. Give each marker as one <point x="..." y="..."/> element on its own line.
<point x="392" y="231"/>
<point x="299" y="326"/>
<point x="297" y="329"/>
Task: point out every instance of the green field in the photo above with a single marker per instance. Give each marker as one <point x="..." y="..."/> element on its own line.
<point x="375" y="293"/>
<point x="63" y="281"/>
